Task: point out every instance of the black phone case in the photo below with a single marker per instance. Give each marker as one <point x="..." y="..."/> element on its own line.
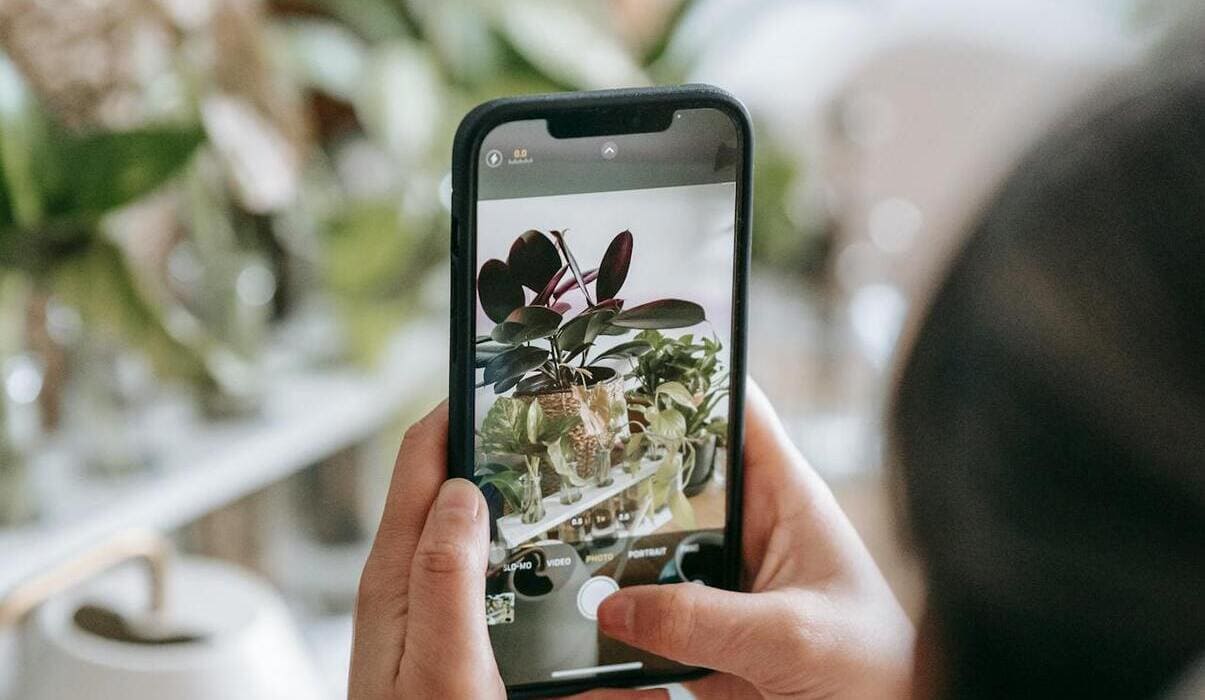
<point x="469" y="136"/>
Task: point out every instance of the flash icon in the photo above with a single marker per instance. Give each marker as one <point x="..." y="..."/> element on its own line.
<point x="493" y="158"/>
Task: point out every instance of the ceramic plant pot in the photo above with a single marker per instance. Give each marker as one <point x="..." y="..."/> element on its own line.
<point x="705" y="454"/>
<point x="224" y="634"/>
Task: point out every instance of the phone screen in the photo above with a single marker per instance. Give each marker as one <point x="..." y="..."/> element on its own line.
<point x="604" y="320"/>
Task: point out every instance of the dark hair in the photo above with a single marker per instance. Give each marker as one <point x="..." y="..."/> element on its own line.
<point x="1049" y="425"/>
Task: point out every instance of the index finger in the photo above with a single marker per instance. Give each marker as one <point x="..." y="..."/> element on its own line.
<point x="380" y="615"/>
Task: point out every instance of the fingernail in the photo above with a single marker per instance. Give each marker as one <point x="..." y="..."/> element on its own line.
<point x="615" y="615"/>
<point x="458" y="496"/>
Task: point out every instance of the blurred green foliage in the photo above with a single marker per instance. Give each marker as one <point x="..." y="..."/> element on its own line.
<point x="55" y="186"/>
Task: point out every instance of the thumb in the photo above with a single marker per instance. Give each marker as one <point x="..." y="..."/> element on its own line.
<point x="700" y="626"/>
<point x="445" y="631"/>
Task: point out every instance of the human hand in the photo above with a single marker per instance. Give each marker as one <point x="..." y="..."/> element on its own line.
<point x="820" y="620"/>
<point x="420" y="623"/>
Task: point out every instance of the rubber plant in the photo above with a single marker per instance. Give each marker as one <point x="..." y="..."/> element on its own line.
<point x="534" y="347"/>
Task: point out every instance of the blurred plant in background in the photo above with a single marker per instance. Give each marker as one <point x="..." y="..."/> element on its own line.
<point x="183" y="179"/>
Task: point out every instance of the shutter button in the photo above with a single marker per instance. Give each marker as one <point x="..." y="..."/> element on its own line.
<point x="592" y="593"/>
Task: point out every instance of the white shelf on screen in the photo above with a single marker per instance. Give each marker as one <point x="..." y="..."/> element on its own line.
<point x="515" y="532"/>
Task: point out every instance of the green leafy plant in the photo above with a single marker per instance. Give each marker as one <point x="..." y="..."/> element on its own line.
<point x="533" y="345"/>
<point x="665" y="439"/>
<point x="516" y="436"/>
<point x="684" y="362"/>
<point x="56" y="186"/>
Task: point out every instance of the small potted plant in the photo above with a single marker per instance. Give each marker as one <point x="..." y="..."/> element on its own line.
<point x="692" y="364"/>
<point x="546" y="355"/>
<point x="516" y="438"/>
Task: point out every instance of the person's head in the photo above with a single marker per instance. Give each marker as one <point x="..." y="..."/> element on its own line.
<point x="1049" y="426"/>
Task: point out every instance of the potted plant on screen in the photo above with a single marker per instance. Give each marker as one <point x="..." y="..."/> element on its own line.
<point x="687" y="371"/>
<point x="546" y="355"/>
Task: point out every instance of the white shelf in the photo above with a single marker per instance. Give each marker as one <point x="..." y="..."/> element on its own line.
<point x="307" y="416"/>
<point x="515" y="532"/>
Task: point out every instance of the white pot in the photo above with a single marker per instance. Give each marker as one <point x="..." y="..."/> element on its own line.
<point x="247" y="646"/>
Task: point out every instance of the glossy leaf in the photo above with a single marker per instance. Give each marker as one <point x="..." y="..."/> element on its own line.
<point x="533" y="260"/>
<point x="508" y="333"/>
<point x="630" y="349"/>
<point x="500" y="294"/>
<point x="541" y="319"/>
<point x="583" y="329"/>
<point x="664" y="313"/>
<point x="545" y="294"/>
<point x="567" y="285"/>
<point x="487" y="351"/>
<point x="506" y="385"/>
<point x="525" y="324"/>
<point x="614" y="268"/>
<point x="514" y="362"/>
<point x="534" y="384"/>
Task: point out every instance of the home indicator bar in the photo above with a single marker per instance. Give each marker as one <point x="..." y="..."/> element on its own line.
<point x="594" y="670"/>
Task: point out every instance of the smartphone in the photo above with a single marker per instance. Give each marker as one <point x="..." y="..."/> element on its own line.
<point x="600" y="247"/>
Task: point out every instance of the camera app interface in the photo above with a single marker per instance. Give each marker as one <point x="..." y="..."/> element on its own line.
<point x="604" y="315"/>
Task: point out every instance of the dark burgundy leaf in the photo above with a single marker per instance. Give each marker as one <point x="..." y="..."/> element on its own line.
<point x="570" y="284"/>
<point x="525" y="324"/>
<point x="561" y="307"/>
<point x="546" y="294"/>
<point x="664" y="313"/>
<point x="614" y="267"/>
<point x="533" y="260"/>
<point x="499" y="292"/>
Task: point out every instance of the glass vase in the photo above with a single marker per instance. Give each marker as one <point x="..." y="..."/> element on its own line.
<point x="600" y="468"/>
<point x="532" y="502"/>
<point x="569" y="493"/>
